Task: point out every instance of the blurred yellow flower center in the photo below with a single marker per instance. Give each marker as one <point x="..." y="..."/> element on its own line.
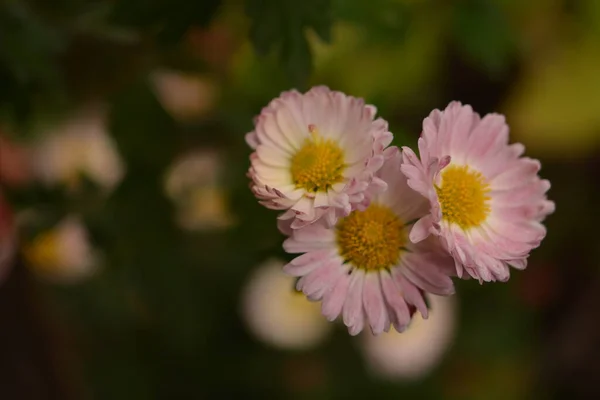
<point x="464" y="196"/>
<point x="371" y="239"/>
<point x="42" y="254"/>
<point x="318" y="164"/>
<point x="208" y="205"/>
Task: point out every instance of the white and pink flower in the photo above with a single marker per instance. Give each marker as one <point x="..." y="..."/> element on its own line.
<point x="81" y="145"/>
<point x="62" y="254"/>
<point x="364" y="267"/>
<point x="279" y="315"/>
<point x="415" y="353"/>
<point x="487" y="202"/>
<point x="316" y="154"/>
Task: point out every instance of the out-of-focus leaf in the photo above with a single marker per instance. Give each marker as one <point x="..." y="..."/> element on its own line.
<point x="28" y="59"/>
<point x="554" y="109"/>
<point x="382" y="20"/>
<point x="482" y="32"/>
<point x="282" y="24"/>
<point x="590" y="14"/>
<point x="390" y="75"/>
<point x="169" y="19"/>
<point x="94" y="21"/>
<point x="142" y="128"/>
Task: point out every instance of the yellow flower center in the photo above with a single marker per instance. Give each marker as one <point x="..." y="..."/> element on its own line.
<point x="371" y="239"/>
<point x="464" y="196"/>
<point x="318" y="164"/>
<point x="42" y="254"/>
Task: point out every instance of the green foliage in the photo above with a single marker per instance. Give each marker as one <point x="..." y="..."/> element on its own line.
<point x="282" y="25"/>
<point x="153" y="130"/>
<point x="29" y="49"/>
<point x="483" y="33"/>
<point x="382" y="21"/>
<point x="168" y="19"/>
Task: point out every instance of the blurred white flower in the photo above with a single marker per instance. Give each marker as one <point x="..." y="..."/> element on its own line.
<point x="412" y="354"/>
<point x="195" y="184"/>
<point x="279" y="315"/>
<point x="184" y="96"/>
<point x="8" y="238"/>
<point x="80" y="145"/>
<point x="62" y="254"/>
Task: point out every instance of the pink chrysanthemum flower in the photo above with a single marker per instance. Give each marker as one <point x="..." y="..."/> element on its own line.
<point x="487" y="202"/>
<point x="315" y="154"/>
<point x="364" y="266"/>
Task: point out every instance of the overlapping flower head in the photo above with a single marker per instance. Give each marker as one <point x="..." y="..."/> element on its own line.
<point x="364" y="267"/>
<point x="316" y="154"/>
<point x="487" y="201"/>
<point x="377" y="229"/>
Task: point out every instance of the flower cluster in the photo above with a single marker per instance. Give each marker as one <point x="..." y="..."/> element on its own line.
<point x="377" y="229"/>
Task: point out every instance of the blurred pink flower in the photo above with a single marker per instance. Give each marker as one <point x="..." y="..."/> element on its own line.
<point x="315" y="154"/>
<point x="79" y="145"/>
<point x="184" y="96"/>
<point x="216" y="44"/>
<point x="487" y="202"/>
<point x="364" y="267"/>
<point x="277" y="314"/>
<point x="14" y="163"/>
<point x="62" y="254"/>
<point x="195" y="183"/>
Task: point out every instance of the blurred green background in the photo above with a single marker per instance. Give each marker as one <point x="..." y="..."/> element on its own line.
<point x="160" y="314"/>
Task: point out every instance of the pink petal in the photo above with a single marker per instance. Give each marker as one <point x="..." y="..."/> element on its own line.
<point x="308" y="262"/>
<point x="374" y="306"/>
<point x="421" y="229"/>
<point x="398" y="309"/>
<point x="319" y="281"/>
<point x="426" y="270"/>
<point x="333" y="301"/>
<point x="412" y="295"/>
<point x="352" y="311"/>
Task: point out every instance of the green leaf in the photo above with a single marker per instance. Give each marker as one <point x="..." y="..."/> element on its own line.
<point x="168" y="19"/>
<point x="282" y="25"/>
<point x="29" y="51"/>
<point x="483" y="32"/>
<point x="382" y="20"/>
<point x="142" y="128"/>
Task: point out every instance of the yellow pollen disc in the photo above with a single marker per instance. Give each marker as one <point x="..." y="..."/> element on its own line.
<point x="464" y="196"/>
<point x="42" y="253"/>
<point x="371" y="239"/>
<point x="318" y="164"/>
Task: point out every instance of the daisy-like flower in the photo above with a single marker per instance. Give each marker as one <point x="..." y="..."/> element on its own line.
<point x="80" y="145"/>
<point x="315" y="154"/>
<point x="62" y="254"/>
<point x="184" y="96"/>
<point x="413" y="354"/>
<point x="364" y="267"/>
<point x="195" y="184"/>
<point x="487" y="201"/>
<point x="278" y="314"/>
